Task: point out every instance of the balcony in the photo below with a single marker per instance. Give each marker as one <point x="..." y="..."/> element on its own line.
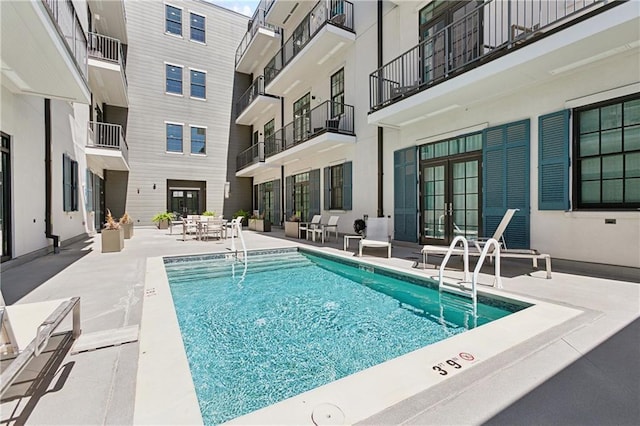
<point x="111" y="18"/>
<point x="106" y="147"/>
<point x="107" y="76"/>
<point x="44" y="50"/>
<point x="283" y="12"/>
<point x="254" y="102"/>
<point x="314" y="43"/>
<point x="262" y="39"/>
<point x="328" y="126"/>
<point x="495" y="49"/>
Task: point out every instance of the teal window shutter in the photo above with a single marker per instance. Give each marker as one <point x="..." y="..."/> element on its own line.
<point x="347" y="203"/>
<point x="74" y="185"/>
<point x="288" y="196"/>
<point x="260" y="192"/>
<point x="505" y="174"/>
<point x="405" y="201"/>
<point x="553" y="161"/>
<point x="66" y="182"/>
<point x="277" y="215"/>
<point x="88" y="196"/>
<point x="327" y="187"/>
<point x="314" y="193"/>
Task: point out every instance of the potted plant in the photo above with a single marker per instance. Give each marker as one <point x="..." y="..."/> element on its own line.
<point x="208" y="213"/>
<point x="126" y="223"/>
<point x="242" y="213"/>
<point x="259" y="223"/>
<point x="291" y="226"/>
<point x="163" y="219"/>
<point x="112" y="235"/>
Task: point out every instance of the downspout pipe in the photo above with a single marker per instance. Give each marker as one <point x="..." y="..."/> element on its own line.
<point x="48" y="176"/>
<point x="380" y="129"/>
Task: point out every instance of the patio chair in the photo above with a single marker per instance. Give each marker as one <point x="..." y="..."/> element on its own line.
<point x="212" y="226"/>
<point x="306" y="226"/>
<point x="324" y="228"/>
<point x="478" y="243"/>
<point x="332" y="225"/>
<point x="377" y="235"/>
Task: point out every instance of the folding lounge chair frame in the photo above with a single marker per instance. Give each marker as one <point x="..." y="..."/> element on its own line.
<point x="377" y="235"/>
<point x="307" y="226"/>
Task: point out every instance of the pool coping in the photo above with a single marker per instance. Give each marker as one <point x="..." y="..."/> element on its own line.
<point x="165" y="393"/>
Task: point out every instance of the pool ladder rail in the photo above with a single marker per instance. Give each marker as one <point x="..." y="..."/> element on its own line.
<point x="468" y="286"/>
<point x="238" y="227"/>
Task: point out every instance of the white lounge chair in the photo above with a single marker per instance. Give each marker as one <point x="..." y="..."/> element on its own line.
<point x="307" y="226"/>
<point x="377" y="235"/>
<point x="324" y="229"/>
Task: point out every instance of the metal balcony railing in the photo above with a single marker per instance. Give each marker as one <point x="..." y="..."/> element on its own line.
<point x="255" y="24"/>
<point x="252" y="155"/>
<point x="109" y="136"/>
<point x="334" y="12"/>
<point x="107" y="49"/>
<point x="255" y="90"/>
<point x="487" y="32"/>
<point x="266" y="5"/>
<point x="329" y="116"/>
<point x="64" y="15"/>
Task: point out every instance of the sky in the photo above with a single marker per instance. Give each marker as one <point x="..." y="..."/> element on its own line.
<point x="246" y="7"/>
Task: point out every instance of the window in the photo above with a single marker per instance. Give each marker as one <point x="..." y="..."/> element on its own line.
<point x="174" y="137"/>
<point x="88" y="197"/>
<point x="197" y="23"/>
<point x="302" y="118"/>
<point x="301" y="196"/>
<point x="69" y="183"/>
<point x="174" y="79"/>
<point x="337" y="93"/>
<point x="173" y="20"/>
<point x="607" y="160"/>
<point x="198" y="140"/>
<point x="337" y="187"/>
<point x="198" y="84"/>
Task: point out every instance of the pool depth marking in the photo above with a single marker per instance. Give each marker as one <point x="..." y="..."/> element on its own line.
<point x="454" y="364"/>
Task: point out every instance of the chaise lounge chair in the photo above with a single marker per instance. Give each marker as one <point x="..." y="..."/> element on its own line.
<point x="476" y="248"/>
<point x="377" y="235"/>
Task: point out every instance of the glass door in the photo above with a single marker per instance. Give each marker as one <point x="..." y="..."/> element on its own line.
<point x="185" y="201"/>
<point x="450" y="199"/>
<point x="301" y="115"/>
<point x="5" y="199"/>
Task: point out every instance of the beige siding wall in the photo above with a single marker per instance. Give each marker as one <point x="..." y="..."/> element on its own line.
<point x="150" y="107"/>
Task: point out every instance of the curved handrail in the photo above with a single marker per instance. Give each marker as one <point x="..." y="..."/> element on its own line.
<point x="490" y="242"/>
<point x="452" y="246"/>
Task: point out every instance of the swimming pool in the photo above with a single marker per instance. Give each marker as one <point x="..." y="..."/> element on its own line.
<point x="298" y="320"/>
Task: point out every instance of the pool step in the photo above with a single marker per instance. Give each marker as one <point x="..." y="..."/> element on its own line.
<point x="216" y="268"/>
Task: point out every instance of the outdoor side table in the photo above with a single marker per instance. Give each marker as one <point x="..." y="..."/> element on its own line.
<point x="347" y="238"/>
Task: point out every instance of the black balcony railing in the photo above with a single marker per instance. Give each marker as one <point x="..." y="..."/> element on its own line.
<point x="252" y="155"/>
<point x="108" y="136"/>
<point x="255" y="24"/>
<point x="255" y="90"/>
<point x="487" y="32"/>
<point x="329" y="116"/>
<point x="64" y="15"/>
<point x="107" y="49"/>
<point x="334" y="12"/>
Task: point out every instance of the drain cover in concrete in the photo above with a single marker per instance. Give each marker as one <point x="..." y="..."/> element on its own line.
<point x="327" y="414"/>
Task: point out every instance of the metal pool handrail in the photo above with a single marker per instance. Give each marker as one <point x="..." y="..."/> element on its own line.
<point x="44" y="332"/>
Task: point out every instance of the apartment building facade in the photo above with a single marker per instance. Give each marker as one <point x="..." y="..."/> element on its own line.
<point x="48" y="157"/>
<point x="460" y="110"/>
<point x="180" y="132"/>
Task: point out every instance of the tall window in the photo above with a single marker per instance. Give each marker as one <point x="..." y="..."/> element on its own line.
<point x="173" y="17"/>
<point x="174" y="79"/>
<point x="198" y="140"/>
<point x="269" y="130"/>
<point x="336" y="187"/>
<point x="301" y="117"/>
<point x="197" y="23"/>
<point x="198" y="84"/>
<point x="607" y="144"/>
<point x="69" y="183"/>
<point x="301" y="195"/>
<point x="337" y="93"/>
<point x="174" y="137"/>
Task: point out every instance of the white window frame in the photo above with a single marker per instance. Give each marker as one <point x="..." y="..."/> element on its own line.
<point x="196" y="126"/>
<point x="181" y="35"/>
<point x="205" y="84"/>
<point x="165" y="138"/>
<point x="165" y="79"/>
<point x="205" y="27"/>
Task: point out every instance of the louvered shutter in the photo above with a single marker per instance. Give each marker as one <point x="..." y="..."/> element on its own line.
<point x="405" y="203"/>
<point x="347" y="192"/>
<point x="314" y="193"/>
<point x="505" y="172"/>
<point x="327" y="187"/>
<point x="288" y="196"/>
<point x="553" y="161"/>
<point x="66" y="182"/>
<point x="277" y="215"/>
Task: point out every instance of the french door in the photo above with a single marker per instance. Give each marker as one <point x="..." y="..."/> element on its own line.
<point x="301" y="118"/>
<point x="5" y="198"/>
<point x="450" y="198"/>
<point x="185" y="201"/>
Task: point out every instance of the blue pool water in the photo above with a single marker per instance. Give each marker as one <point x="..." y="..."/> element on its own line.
<point x="296" y="321"/>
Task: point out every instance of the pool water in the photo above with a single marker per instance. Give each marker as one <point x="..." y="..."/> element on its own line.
<point x="295" y="321"/>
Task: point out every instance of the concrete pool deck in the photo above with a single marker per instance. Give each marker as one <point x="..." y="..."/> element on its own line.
<point x="584" y="371"/>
